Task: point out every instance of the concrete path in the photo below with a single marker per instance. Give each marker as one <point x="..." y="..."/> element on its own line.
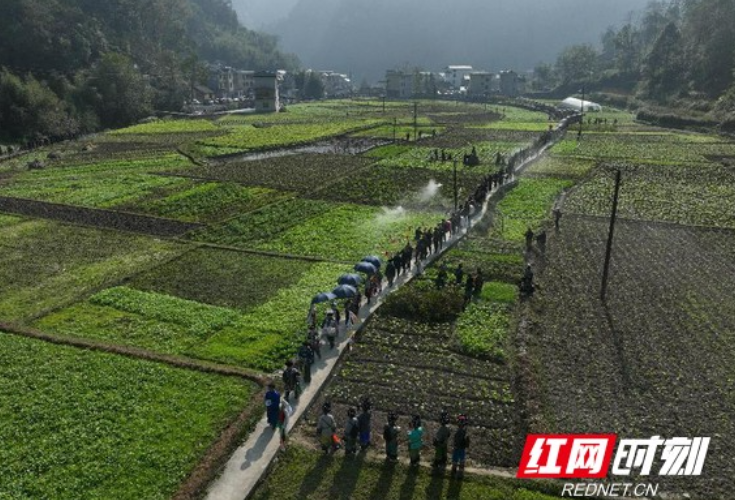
<point x="250" y="461"/>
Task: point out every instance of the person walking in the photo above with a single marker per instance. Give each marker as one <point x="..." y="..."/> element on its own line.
<point x="461" y="443"/>
<point x="315" y="342"/>
<point x="390" y="435"/>
<point x="459" y="274"/>
<point x="441" y="442"/>
<point x="326" y="428"/>
<point x="284" y="413"/>
<point x="479" y="283"/>
<point x="363" y="422"/>
<point x="352" y="431"/>
<point x="469" y="287"/>
<point x="415" y="440"/>
<point x="291" y="381"/>
<point x="390" y="272"/>
<point x="529" y="239"/>
<point x="329" y="329"/>
<point x="306" y="360"/>
<point x="272" y="405"/>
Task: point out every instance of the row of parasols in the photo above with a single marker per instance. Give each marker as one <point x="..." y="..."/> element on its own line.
<point x="347" y="283"/>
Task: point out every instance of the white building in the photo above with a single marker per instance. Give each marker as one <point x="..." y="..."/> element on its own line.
<point x="457" y="76"/>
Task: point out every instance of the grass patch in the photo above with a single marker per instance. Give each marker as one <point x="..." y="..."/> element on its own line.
<point x="301" y="474"/>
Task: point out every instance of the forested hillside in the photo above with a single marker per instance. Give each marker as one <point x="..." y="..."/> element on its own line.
<point x="71" y="66"/>
<point x="675" y="54"/>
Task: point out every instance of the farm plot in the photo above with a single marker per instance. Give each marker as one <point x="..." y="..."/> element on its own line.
<point x="526" y="206"/>
<point x="405" y="186"/>
<point x="701" y="195"/>
<point x="272" y="331"/>
<point x="661" y="148"/>
<point x="102" y="184"/>
<point x="412" y="367"/>
<point x="423" y="157"/>
<point x="559" y="166"/>
<point x="349" y="232"/>
<point x="86" y="425"/>
<point x="248" y="137"/>
<point x="222" y="278"/>
<point x="260" y="335"/>
<point x="45" y="264"/>
<point x="320" y="229"/>
<point x="201" y="201"/>
<point x="657" y="359"/>
<point x="302" y="173"/>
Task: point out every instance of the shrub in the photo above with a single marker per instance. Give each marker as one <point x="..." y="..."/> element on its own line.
<point x="423" y="302"/>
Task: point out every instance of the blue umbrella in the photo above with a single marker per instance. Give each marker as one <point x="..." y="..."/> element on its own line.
<point x="323" y="297"/>
<point x="344" y="291"/>
<point x="374" y="260"/>
<point x="365" y="267"/>
<point x="350" y="279"/>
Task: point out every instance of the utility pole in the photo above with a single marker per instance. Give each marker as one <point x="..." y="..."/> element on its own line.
<point x="455" y="185"/>
<point x="581" y="121"/>
<point x="415" y="120"/>
<point x="608" y="252"/>
<point x="394" y="129"/>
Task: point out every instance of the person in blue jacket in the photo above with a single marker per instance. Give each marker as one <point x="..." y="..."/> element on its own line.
<point x="272" y="405"/>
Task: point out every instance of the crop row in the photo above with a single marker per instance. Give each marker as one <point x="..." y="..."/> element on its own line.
<point x="667" y="149"/>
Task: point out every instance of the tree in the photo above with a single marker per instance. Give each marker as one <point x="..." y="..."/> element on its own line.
<point x="314" y="87"/>
<point x="576" y="64"/>
<point x="543" y="76"/>
<point x="709" y="32"/>
<point x="663" y="71"/>
<point x="119" y="93"/>
<point x="30" y="110"/>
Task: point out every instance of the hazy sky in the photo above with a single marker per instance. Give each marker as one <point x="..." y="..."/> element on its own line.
<point x="368" y="37"/>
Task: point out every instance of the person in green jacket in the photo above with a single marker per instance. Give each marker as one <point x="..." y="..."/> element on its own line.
<point x="415" y="440"/>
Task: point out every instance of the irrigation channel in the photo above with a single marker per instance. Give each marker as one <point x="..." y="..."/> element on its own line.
<point x="250" y="462"/>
